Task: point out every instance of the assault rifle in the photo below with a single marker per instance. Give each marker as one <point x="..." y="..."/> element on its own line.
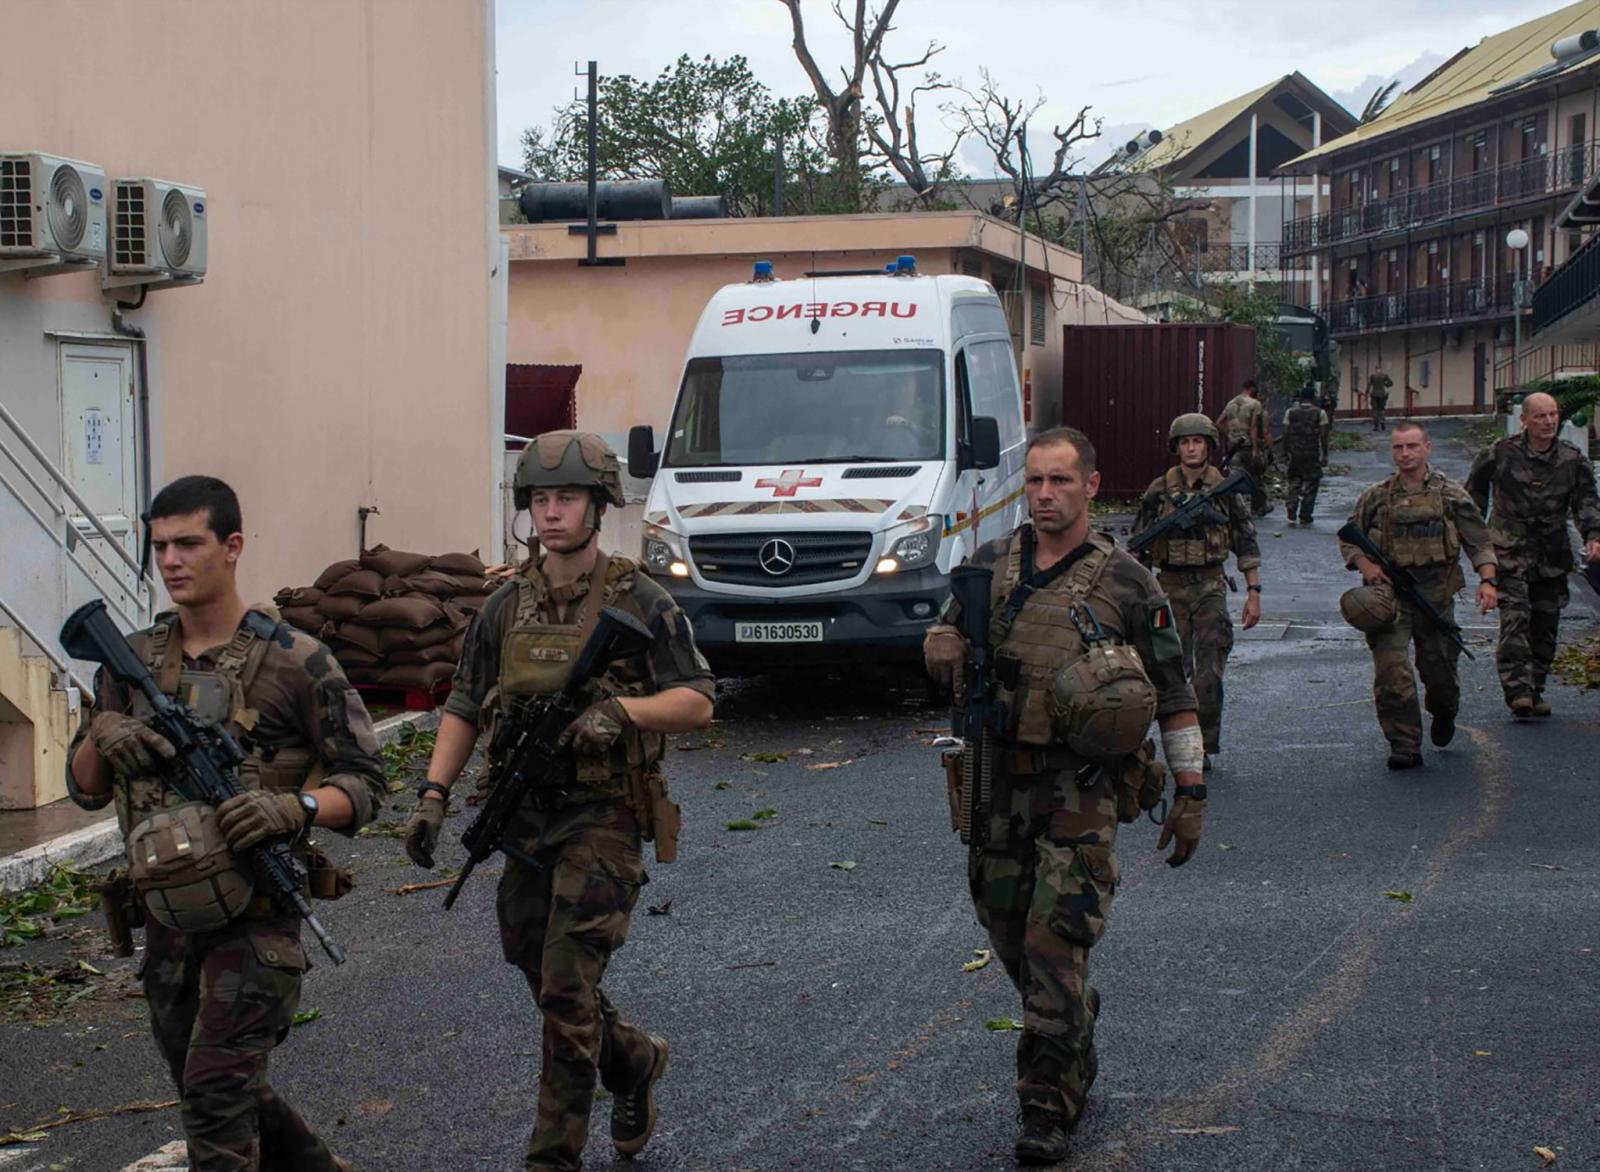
<point x="528" y="743"/>
<point x="1199" y="508"/>
<point x="206" y="767"/>
<point x="1405" y="585"/>
<point x="979" y="720"/>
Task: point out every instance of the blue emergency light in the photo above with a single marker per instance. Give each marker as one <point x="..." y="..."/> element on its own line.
<point x="905" y="263"/>
<point x="763" y="271"/>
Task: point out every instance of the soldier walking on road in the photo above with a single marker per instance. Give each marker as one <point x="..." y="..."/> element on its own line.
<point x="573" y="856"/>
<point x="1420" y="521"/>
<point x="1378" y="384"/>
<point x="1191" y="566"/>
<point x="1044" y="880"/>
<point x="222" y="965"/>
<point x="1247" y="440"/>
<point x="1536" y="482"/>
<point x="1305" y="445"/>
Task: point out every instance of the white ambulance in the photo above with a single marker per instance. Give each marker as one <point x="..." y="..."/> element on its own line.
<point x="838" y="443"/>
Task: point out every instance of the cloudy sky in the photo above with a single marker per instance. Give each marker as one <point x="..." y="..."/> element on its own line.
<point x="1137" y="62"/>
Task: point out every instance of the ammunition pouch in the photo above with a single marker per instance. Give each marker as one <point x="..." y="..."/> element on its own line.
<point x="325" y="879"/>
<point x="1139" y="781"/>
<point x="180" y="863"/>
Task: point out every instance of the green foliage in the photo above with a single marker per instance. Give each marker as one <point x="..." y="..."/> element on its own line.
<point x="1345" y="441"/>
<point x="1579" y="665"/>
<point x="1576" y="397"/>
<point x="707" y="127"/>
<point x="36" y="993"/>
<point x="403" y="756"/>
<point x="65" y="894"/>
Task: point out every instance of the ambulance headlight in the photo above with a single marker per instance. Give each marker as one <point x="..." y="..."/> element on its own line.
<point x="662" y="552"/>
<point x="910" y="547"/>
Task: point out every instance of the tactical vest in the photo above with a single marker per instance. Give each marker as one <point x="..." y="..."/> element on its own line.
<point x="1416" y="529"/>
<point x="1042" y="639"/>
<point x="536" y="657"/>
<point x="1236" y="417"/>
<point x="1200" y="546"/>
<point x="1302" y="437"/>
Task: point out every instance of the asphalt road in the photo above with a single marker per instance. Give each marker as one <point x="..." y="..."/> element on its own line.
<point x="1270" y="1006"/>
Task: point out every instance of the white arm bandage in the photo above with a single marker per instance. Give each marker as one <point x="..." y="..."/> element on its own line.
<point x="1184" y="748"/>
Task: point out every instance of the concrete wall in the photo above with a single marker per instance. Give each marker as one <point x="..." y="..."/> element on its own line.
<point x="340" y="351"/>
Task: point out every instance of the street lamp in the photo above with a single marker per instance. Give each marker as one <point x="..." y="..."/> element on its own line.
<point x="1516" y="240"/>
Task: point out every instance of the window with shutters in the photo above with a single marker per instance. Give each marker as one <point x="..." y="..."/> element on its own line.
<point x="1036" y="318"/>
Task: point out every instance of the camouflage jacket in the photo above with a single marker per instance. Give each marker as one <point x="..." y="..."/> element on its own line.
<point x="1242" y="415"/>
<point x="1461" y="516"/>
<point x="1378" y="387"/>
<point x="1238" y="535"/>
<point x="304" y="708"/>
<point x="1132" y="610"/>
<point x="1532" y="495"/>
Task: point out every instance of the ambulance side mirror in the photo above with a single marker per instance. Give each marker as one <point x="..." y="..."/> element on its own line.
<point x="643" y="458"/>
<point x="983" y="446"/>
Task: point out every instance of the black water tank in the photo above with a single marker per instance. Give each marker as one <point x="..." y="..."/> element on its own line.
<point x="619" y="199"/>
<point x="699" y="207"/>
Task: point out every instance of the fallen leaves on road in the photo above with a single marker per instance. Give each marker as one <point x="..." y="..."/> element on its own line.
<point x="37" y="1132"/>
<point x="1001" y="1024"/>
<point x="1217" y="1130"/>
<point x="1483" y="1053"/>
<point x="831" y="764"/>
<point x="723" y="785"/>
<point x="1546" y="1155"/>
<point x="65" y="894"/>
<point x="1399" y="896"/>
<point x="375" y="1107"/>
<point x="386" y="829"/>
<point x="743" y="824"/>
<point x="447" y="877"/>
<point x="980" y="958"/>
<point x="765" y="815"/>
<point x="766" y="757"/>
<point x="846" y="865"/>
<point x="304" y="1016"/>
<point x="660" y="909"/>
<point x="1548" y="866"/>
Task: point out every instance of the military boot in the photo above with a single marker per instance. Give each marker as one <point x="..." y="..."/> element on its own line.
<point x="1044" y="1136"/>
<point x="1521" y="708"/>
<point x="1403" y="759"/>
<point x="1443" y="730"/>
<point x="633" y="1114"/>
<point x="1541" y="706"/>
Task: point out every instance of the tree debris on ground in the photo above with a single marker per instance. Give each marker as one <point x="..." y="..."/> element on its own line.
<point x="980" y="959"/>
<point x="65" y="894"/>
<point x="1579" y="664"/>
<point x="446" y="877"/>
<point x="40" y="1130"/>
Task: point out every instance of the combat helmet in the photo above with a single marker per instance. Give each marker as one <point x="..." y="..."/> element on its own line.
<point x="1102" y="703"/>
<point x="1192" y="423"/>
<point x="566" y="459"/>
<point x="1369" y="609"/>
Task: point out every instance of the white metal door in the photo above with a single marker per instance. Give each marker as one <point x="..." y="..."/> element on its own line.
<point x="100" y="437"/>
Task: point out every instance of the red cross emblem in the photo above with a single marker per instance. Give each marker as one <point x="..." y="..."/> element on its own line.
<point x="792" y="479"/>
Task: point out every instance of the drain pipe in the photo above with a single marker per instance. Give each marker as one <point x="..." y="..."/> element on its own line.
<point x="141" y="362"/>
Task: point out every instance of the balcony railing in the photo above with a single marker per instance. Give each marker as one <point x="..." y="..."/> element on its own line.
<point x="1488" y="296"/>
<point x="1235" y="258"/>
<point x="1571" y="287"/>
<point x="1511" y="183"/>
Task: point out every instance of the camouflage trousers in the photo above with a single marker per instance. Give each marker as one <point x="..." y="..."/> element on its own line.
<point x="564" y="904"/>
<point x="1043" y="888"/>
<point x="219" y="1002"/>
<point x="1394" y="688"/>
<point x="1242" y="459"/>
<point x="1530" y="613"/>
<point x="1378" y="410"/>
<point x="1300" y="489"/>
<point x="1200" y="604"/>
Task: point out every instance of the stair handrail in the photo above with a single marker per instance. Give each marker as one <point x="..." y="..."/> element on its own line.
<point x="62" y="667"/>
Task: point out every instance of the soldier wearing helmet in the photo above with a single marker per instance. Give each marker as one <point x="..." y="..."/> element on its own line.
<point x="1087" y="654"/>
<point x="223" y="962"/>
<point x="574" y="860"/>
<point x="1305" y="445"/>
<point x="1422" y="522"/>
<point x="1191" y="565"/>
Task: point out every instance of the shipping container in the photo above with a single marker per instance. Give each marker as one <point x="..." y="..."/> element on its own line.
<point x="1122" y="386"/>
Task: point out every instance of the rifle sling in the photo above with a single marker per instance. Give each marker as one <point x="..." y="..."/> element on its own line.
<point x="1032" y="581"/>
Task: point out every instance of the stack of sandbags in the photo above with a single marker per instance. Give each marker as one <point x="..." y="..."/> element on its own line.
<point x="392" y="618"/>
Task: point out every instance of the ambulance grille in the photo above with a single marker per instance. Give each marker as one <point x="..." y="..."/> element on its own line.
<point x="736" y="558"/>
<point x="709" y="476"/>
<point x="884" y="473"/>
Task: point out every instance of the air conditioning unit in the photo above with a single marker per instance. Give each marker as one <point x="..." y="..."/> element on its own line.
<point x="52" y="213"/>
<point x="158" y="234"/>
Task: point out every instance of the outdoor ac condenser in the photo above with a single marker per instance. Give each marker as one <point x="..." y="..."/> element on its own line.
<point x="52" y="213"/>
<point x="158" y="233"/>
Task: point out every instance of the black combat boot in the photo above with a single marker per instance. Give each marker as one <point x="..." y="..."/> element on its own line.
<point x="1403" y="760"/>
<point x="1044" y="1136"/>
<point x="633" y="1115"/>
<point x="1443" y="730"/>
<point x="1541" y="706"/>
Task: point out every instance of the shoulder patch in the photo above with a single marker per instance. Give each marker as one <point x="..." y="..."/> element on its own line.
<point x="1164" y="637"/>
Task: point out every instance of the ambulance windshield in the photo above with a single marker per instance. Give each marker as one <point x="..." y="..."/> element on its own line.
<point x="810" y="408"/>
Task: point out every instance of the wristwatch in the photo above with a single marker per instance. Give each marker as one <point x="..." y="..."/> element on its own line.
<point x="1253" y="589"/>
<point x="309" y="806"/>
<point x="433" y="787"/>
<point x="1495" y="582"/>
<point x="1197" y="792"/>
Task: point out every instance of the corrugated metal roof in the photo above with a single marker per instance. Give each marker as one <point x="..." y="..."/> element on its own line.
<point x="1193" y="133"/>
<point x="1469" y="78"/>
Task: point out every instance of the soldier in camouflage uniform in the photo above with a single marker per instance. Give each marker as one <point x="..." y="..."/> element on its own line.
<point x="1378" y="384"/>
<point x="222" y="968"/>
<point x="1248" y="440"/>
<point x="573" y="858"/>
<point x="1191" y="566"/>
<point x="1044" y="882"/>
<point x="1537" y="481"/>
<point x="1305" y="446"/>
<point x="1421" y="521"/>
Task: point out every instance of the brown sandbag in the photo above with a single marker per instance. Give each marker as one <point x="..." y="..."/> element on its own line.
<point x="448" y="652"/>
<point x="340" y="607"/>
<point x="388" y="561"/>
<point x="421" y="677"/>
<point x="362" y="584"/>
<point x="470" y="603"/>
<point x="412" y="612"/>
<point x="467" y="564"/>
<point x="348" y="634"/>
<point x="303" y="618"/>
<point x="297" y="596"/>
<point x="336" y="571"/>
<point x="475" y="584"/>
<point x="354" y="658"/>
<point x="404" y="639"/>
<point x="429" y="582"/>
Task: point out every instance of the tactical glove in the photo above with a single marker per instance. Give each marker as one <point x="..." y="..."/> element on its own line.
<point x="130" y="747"/>
<point x="944" y="652"/>
<point x="596" y="729"/>
<point x="1184" y="822"/>
<point x="422" y="829"/>
<point x="257" y="815"/>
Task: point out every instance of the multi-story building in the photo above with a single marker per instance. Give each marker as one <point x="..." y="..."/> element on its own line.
<point x="1410" y="259"/>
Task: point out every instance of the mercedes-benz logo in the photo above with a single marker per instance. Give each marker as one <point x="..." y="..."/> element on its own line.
<point x="776" y="557"/>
